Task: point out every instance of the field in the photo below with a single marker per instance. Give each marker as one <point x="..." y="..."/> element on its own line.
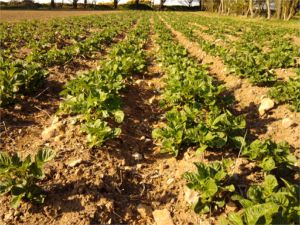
<point x="149" y="117"/>
<point x="16" y="15"/>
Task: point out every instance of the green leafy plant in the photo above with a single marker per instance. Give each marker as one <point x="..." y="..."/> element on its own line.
<point x="267" y="204"/>
<point x="288" y="92"/>
<point x="98" y="131"/>
<point x="18" y="78"/>
<point x="269" y="154"/>
<point x="19" y="177"/>
<point x="211" y="181"/>
<point x="95" y="95"/>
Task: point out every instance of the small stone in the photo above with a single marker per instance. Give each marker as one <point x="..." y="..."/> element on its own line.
<point x="58" y="138"/>
<point x="144" y="210"/>
<point x="74" y="163"/>
<point x="122" y="162"/>
<point x="51" y="131"/>
<point x="151" y="99"/>
<point x="170" y="181"/>
<point x="265" y="105"/>
<point x="138" y="82"/>
<point x="18" y="107"/>
<point x="287" y="122"/>
<point x="127" y="168"/>
<point x="137" y="156"/>
<point x="139" y="166"/>
<point x="162" y="217"/>
<point x="142" y="138"/>
<point x="190" y="196"/>
<point x="79" y="172"/>
<point x="230" y="207"/>
<point x="8" y="216"/>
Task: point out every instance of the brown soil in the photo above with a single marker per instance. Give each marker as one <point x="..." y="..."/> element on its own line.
<point x="209" y="37"/>
<point x="285" y="74"/>
<point x="248" y="98"/>
<point x="202" y="27"/>
<point x="18" y="15"/>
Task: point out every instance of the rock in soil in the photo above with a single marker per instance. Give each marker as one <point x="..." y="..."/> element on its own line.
<point x="144" y="210"/>
<point x="287" y="122"/>
<point x="265" y="105"/>
<point x="74" y="163"/>
<point x="190" y="196"/>
<point x="162" y="217"/>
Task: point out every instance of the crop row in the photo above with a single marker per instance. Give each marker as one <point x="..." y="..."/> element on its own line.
<point x="245" y="57"/>
<point x="199" y="116"/>
<point x="22" y="76"/>
<point x="94" y="97"/>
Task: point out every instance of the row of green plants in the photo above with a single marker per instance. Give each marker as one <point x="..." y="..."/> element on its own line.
<point x="59" y="32"/>
<point x="20" y="178"/>
<point x="246" y="56"/>
<point x="95" y="95"/>
<point x="198" y="116"/>
<point x="288" y="92"/>
<point x="23" y="76"/>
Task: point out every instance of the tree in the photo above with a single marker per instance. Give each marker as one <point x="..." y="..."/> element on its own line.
<point x="187" y="2"/>
<point x="278" y="9"/>
<point x="74" y="2"/>
<point x="290" y="9"/>
<point x="116" y="2"/>
<point x="161" y="5"/>
<point x="268" y="9"/>
<point x="85" y="3"/>
<point x="52" y="4"/>
<point x="251" y="8"/>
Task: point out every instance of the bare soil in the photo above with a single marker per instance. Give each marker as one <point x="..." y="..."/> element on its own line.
<point x="19" y="15"/>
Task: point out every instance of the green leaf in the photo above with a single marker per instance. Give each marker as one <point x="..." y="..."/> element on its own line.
<point x="16" y="200"/>
<point x="5" y="160"/>
<point x="269" y="184"/>
<point x="256" y="212"/>
<point x="119" y="116"/>
<point x="268" y="164"/>
<point x="235" y="219"/>
<point x="210" y="188"/>
<point x="44" y="155"/>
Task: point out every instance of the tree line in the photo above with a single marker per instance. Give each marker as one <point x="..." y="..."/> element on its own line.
<point x="280" y="9"/>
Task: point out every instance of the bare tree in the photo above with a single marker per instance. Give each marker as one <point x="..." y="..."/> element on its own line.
<point x="189" y="3"/>
<point x="268" y="9"/>
<point x="161" y="5"/>
<point x="116" y="2"/>
<point x="278" y="9"/>
<point x="200" y="4"/>
<point x="251" y="8"/>
<point x="290" y="9"/>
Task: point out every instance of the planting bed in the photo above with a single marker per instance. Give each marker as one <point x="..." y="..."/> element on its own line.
<point x="149" y="117"/>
